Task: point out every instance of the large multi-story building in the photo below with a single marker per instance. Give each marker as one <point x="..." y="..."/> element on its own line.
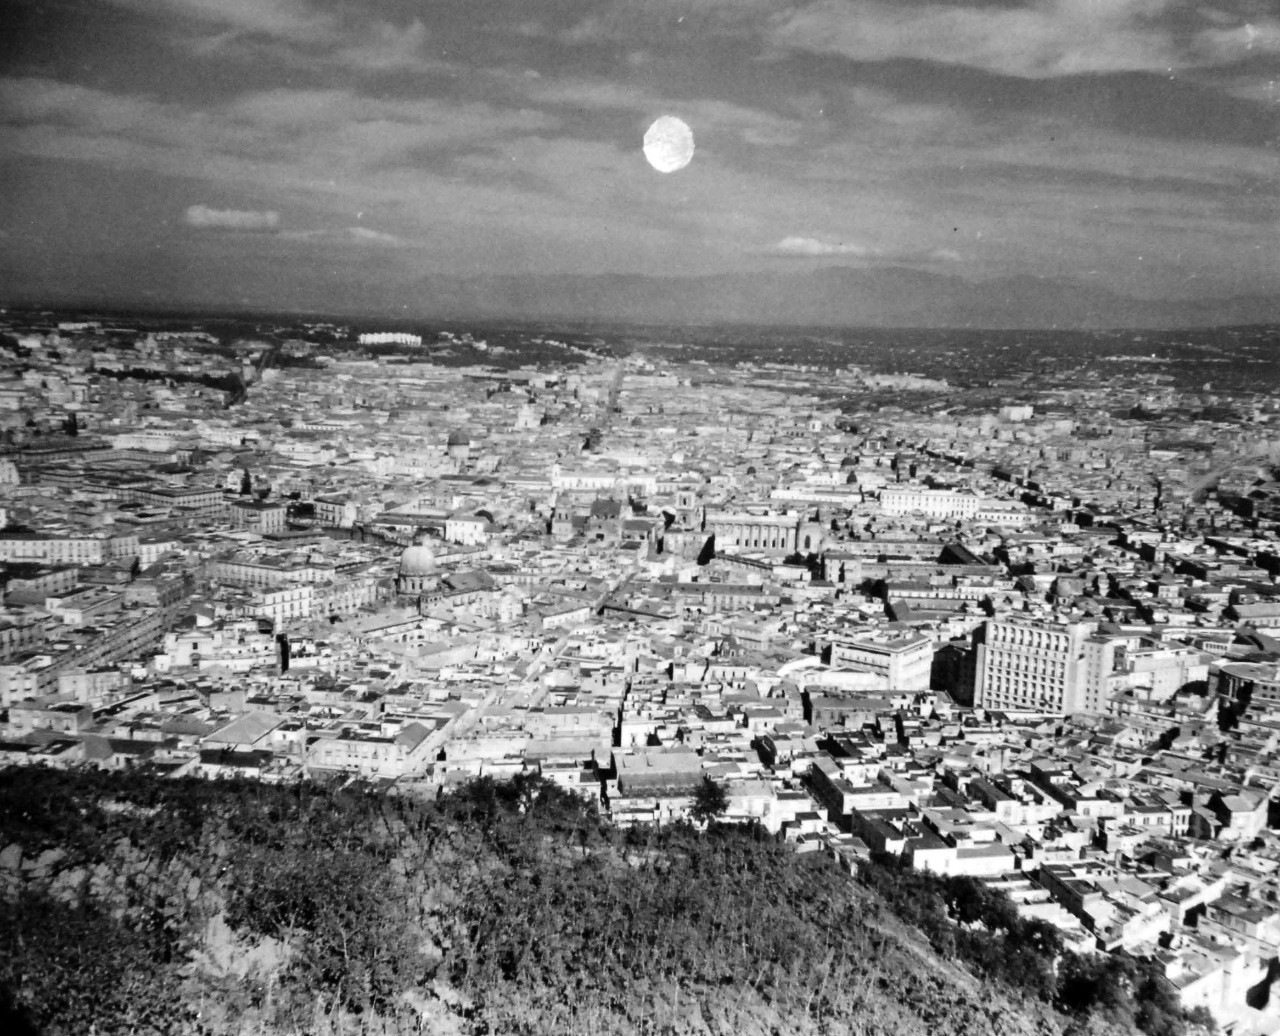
<point x="258" y="516"/>
<point x="905" y="661"/>
<point x="31" y="546"/>
<point x="936" y="503"/>
<point x="1119" y="663"/>
<point x="1032" y="665"/>
<point x="336" y="510"/>
<point x="196" y="500"/>
<point x="388" y="338"/>
<point x="20" y="635"/>
<point x="1245" y="690"/>
<point x="770" y="533"/>
<point x="284" y="604"/>
<point x="382" y="751"/>
<point x="91" y="549"/>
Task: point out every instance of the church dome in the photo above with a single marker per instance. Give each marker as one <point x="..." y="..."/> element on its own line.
<point x="459" y="437"/>
<point x="418" y="560"/>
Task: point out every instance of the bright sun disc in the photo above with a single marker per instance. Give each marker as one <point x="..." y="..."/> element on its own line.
<point x="668" y="144"/>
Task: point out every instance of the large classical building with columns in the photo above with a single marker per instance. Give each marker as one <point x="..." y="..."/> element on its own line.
<point x="771" y="533"/>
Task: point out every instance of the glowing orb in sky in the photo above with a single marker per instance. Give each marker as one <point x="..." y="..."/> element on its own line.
<point x="668" y="144"/>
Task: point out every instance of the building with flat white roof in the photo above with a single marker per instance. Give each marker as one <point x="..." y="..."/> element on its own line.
<point x="905" y="661"/>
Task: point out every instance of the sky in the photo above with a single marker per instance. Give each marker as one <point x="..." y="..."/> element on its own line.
<point x="315" y="154"/>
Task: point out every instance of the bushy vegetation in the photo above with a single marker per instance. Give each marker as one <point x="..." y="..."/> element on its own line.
<point x="230" y="382"/>
<point x="710" y="801"/>
<point x="147" y="906"/>
<point x="963" y="918"/>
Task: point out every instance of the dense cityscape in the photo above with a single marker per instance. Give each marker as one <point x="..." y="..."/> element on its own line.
<point x="1009" y="615"/>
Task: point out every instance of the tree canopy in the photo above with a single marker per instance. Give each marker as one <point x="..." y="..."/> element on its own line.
<point x="710" y="801"/>
<point x="131" y="903"/>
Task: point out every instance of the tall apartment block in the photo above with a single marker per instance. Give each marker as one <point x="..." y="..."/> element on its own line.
<point x="1033" y="665"/>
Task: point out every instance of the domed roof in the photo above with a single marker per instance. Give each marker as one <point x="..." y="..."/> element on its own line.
<point x="418" y="560"/>
<point x="459" y="437"/>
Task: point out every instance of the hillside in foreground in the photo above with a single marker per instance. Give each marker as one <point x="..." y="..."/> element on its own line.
<point x="135" y="905"/>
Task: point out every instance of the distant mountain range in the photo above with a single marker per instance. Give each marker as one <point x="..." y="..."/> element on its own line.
<point x="832" y="296"/>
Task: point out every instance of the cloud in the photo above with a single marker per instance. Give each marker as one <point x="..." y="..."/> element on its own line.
<point x="295" y="33"/>
<point x="309" y="139"/>
<point x="1044" y="39"/>
<point x="704" y="115"/>
<point x="1025" y="38"/>
<point x="287" y="19"/>
<point x="510" y="168"/>
<point x="355" y="130"/>
<point x="205" y="218"/>
<point x="800" y="247"/>
<point x="663" y="21"/>
<point x="809" y="246"/>
<point x="374" y="237"/>
<point x="1034" y="39"/>
<point x="1250" y="39"/>
<point x="1252" y="88"/>
<point x="389" y="48"/>
<point x="346" y="236"/>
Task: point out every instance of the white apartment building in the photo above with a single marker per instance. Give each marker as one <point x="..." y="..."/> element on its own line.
<point x="155" y="440"/>
<point x="338" y="511"/>
<point x="82" y="550"/>
<point x="936" y="503"/>
<point x="583" y="480"/>
<point x="1005" y="513"/>
<point x="468" y="529"/>
<point x="388" y="338"/>
<point x="383" y="752"/>
<point x="1113" y="664"/>
<point x="1032" y="665"/>
<point x="294" y="602"/>
<point x="906" y="662"/>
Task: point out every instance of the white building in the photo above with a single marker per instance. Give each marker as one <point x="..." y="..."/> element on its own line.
<point x="936" y="503"/>
<point x="389" y="338"/>
<point x="1030" y="665"/>
<point x="338" y="511"/>
<point x="83" y="550"/>
<point x="468" y="529"/>
<point x="906" y="662"/>
<point x="294" y="602"/>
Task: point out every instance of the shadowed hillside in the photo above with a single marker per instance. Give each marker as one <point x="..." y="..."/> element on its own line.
<point x="145" y="906"/>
